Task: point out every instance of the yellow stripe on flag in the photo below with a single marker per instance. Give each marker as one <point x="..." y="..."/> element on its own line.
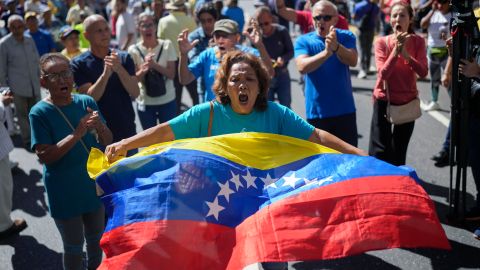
<point x="258" y="150"/>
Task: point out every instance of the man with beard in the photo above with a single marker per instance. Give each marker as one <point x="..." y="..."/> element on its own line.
<point x="226" y="37"/>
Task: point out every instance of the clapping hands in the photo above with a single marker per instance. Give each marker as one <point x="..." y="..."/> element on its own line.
<point x="112" y="63"/>
<point x="331" y="42"/>
<point x="91" y="121"/>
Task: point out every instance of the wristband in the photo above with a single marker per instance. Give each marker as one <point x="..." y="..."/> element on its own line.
<point x="338" y="47"/>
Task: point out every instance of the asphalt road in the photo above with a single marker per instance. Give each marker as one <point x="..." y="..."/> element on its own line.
<point x="39" y="246"/>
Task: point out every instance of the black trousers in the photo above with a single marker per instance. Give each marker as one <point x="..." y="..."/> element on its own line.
<point x="191" y="87"/>
<point x="474" y="152"/>
<point x="343" y="126"/>
<point x="366" y="42"/>
<point x="388" y="142"/>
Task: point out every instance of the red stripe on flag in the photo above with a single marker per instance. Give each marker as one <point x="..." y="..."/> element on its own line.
<point x="340" y="220"/>
<point x="333" y="221"/>
<point x="168" y="244"/>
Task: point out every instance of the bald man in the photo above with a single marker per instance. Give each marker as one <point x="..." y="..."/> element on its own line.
<point x="109" y="77"/>
<point x="325" y="57"/>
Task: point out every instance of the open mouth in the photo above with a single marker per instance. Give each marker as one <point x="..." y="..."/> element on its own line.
<point x="398" y="27"/>
<point x="322" y="28"/>
<point x="243" y="98"/>
<point x="221" y="48"/>
<point x="64" y="89"/>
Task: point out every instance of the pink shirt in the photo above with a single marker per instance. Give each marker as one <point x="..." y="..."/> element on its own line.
<point x="400" y="74"/>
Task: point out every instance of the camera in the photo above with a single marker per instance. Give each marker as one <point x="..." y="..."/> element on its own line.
<point x="5" y="90"/>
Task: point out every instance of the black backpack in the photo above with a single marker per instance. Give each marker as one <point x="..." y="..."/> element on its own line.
<point x="153" y="80"/>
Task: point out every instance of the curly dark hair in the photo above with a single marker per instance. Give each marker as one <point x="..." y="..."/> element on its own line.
<point x="223" y="72"/>
<point x="207" y="8"/>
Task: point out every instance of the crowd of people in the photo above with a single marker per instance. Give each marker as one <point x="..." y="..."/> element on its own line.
<point x="95" y="57"/>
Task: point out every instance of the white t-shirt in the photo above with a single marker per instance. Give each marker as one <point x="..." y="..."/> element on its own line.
<point x="124" y="26"/>
<point x="438" y="23"/>
<point x="168" y="54"/>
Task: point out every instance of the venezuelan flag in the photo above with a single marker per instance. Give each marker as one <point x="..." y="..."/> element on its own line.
<point x="229" y="201"/>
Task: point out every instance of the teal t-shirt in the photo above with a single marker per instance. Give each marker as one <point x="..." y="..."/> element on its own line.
<point x="276" y="119"/>
<point x="70" y="190"/>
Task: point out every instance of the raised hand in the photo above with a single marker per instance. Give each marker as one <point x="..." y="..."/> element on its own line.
<point x="82" y="126"/>
<point x="254" y="36"/>
<point x="401" y="40"/>
<point x="331" y="42"/>
<point x="93" y="121"/>
<point x="113" y="61"/>
<point x="149" y="60"/>
<point x="183" y="44"/>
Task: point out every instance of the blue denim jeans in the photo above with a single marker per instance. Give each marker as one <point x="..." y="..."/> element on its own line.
<point x="74" y="232"/>
<point x="281" y="85"/>
<point x="157" y="114"/>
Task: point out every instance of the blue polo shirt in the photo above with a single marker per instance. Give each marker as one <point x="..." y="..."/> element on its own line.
<point x="43" y="40"/>
<point x="115" y="104"/>
<point x="206" y="65"/>
<point x="328" y="89"/>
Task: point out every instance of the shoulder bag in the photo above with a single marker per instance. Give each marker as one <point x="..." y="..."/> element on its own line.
<point x="401" y="114"/>
<point x="154" y="81"/>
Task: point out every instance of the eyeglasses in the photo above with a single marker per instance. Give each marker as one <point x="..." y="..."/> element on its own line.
<point x="264" y="24"/>
<point x="55" y="77"/>
<point x="326" y="18"/>
<point x="147" y="26"/>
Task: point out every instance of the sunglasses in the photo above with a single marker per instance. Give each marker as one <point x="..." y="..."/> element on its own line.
<point x="55" y="77"/>
<point x="326" y="18"/>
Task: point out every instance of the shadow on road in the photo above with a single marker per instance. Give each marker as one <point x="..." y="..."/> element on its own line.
<point x="461" y="256"/>
<point x="29" y="254"/>
<point x="443" y="207"/>
<point x="366" y="261"/>
<point x="29" y="193"/>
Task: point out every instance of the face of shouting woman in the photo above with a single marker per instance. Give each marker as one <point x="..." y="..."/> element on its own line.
<point x="400" y="19"/>
<point x="242" y="88"/>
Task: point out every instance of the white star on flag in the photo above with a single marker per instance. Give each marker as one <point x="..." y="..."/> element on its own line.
<point x="290" y="180"/>
<point x="307" y="182"/>
<point x="236" y="180"/>
<point x="269" y="180"/>
<point x="250" y="180"/>
<point x="324" y="180"/>
<point x="214" y="208"/>
<point x="225" y="190"/>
